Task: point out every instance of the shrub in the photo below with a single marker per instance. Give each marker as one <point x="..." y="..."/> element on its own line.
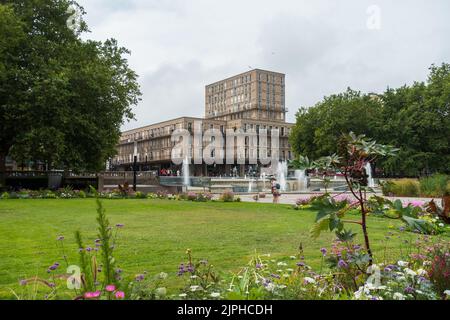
<point x="227" y="196"/>
<point x="162" y="194"/>
<point x="82" y="194"/>
<point x="49" y="195"/>
<point x="5" y="195"/>
<point x="204" y="197"/>
<point x="435" y="185"/>
<point x="191" y="196"/>
<point x="401" y="187"/>
<point x="151" y="195"/>
<point x="140" y="195"/>
<point x="439" y="272"/>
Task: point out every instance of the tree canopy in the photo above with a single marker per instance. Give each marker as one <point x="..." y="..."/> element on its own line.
<point x="414" y="118"/>
<point x="62" y="99"/>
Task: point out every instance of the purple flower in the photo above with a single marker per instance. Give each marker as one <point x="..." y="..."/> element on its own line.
<point x="422" y="279"/>
<point x="276" y="276"/>
<point x="342" y="264"/>
<point x="258" y="266"/>
<point x="300" y="264"/>
<point x="88" y="249"/>
<point x="190" y="269"/>
<point x="23" y="282"/>
<point x="119" y="225"/>
<point x="60" y="238"/>
<point x="324" y="251"/>
<point x="181" y="269"/>
<point x="410" y="290"/>
<point x="140" y="277"/>
<point x="266" y="282"/>
<point x="53" y="267"/>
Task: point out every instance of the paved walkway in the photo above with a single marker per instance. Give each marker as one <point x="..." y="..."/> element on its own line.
<point x="289" y="198"/>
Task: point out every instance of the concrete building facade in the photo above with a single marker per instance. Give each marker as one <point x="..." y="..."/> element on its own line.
<point x="252" y="100"/>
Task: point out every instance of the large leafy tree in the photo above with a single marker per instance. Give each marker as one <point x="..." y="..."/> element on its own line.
<point x="415" y="118"/>
<point x="62" y="99"/>
<point x="319" y="128"/>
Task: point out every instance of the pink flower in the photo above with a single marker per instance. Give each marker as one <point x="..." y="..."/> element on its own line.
<point x="110" y="288"/>
<point x="91" y="295"/>
<point x="120" y="294"/>
<point x="416" y="203"/>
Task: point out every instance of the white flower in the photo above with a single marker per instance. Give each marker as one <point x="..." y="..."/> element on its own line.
<point x="163" y="275"/>
<point x="270" y="287"/>
<point x="309" y="280"/>
<point x="194" y="288"/>
<point x="293" y="257"/>
<point x="402" y="263"/>
<point x="286" y="275"/>
<point x="410" y="272"/>
<point x="194" y="277"/>
<point x="215" y="295"/>
<point x="441" y="225"/>
<point x="426" y="263"/>
<point x="358" y="294"/>
<point x="161" y="292"/>
<point x="290" y="270"/>
<point x="281" y="264"/>
<point x="447" y="293"/>
<point x="398" y="296"/>
<point x="182" y="295"/>
<point x="421" y="272"/>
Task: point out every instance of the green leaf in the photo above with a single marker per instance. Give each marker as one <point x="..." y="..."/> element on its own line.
<point x="318" y="227"/>
<point x="419" y="225"/>
<point x="345" y="235"/>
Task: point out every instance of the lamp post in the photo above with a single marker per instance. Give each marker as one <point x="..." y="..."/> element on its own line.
<point x="135" y="166"/>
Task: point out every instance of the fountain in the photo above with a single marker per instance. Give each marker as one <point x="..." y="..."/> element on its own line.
<point x="370" y="180"/>
<point x="302" y="180"/>
<point x="282" y="171"/>
<point x="250" y="186"/>
<point x="186" y="180"/>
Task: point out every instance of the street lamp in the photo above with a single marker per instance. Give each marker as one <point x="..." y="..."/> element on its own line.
<point x="135" y="166"/>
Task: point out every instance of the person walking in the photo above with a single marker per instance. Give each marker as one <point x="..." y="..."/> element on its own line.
<point x="275" y="188"/>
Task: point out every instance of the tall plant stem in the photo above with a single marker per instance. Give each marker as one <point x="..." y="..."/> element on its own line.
<point x="364" y="227"/>
<point x="363" y="223"/>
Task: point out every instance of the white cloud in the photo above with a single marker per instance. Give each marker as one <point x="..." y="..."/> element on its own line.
<point x="323" y="46"/>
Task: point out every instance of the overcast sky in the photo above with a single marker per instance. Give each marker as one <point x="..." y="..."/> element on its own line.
<point x="323" y="47"/>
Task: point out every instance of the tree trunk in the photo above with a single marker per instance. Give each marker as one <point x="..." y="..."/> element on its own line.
<point x="2" y="170"/>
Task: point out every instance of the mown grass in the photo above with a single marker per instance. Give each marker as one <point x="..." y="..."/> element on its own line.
<point x="158" y="232"/>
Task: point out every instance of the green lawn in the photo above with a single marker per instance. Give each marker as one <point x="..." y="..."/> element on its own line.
<point x="158" y="232"/>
